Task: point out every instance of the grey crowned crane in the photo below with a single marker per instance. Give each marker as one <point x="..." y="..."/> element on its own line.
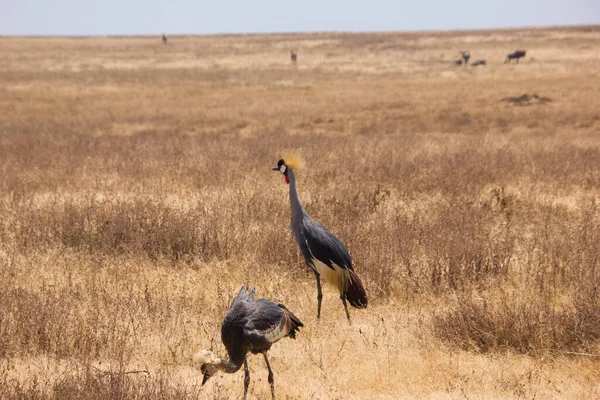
<point x="251" y="325"/>
<point x="324" y="253"/>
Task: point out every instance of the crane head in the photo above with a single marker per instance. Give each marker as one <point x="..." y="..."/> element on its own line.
<point x="206" y="360"/>
<point x="283" y="168"/>
<point x="291" y="159"/>
<point x="208" y="370"/>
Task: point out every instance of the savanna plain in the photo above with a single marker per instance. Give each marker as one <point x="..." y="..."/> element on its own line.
<point x="136" y="197"/>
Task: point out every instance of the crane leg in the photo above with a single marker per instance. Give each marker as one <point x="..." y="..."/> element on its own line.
<point x="319" y="293"/>
<point x="246" y="379"/>
<point x="346" y="308"/>
<point x="271" y="380"/>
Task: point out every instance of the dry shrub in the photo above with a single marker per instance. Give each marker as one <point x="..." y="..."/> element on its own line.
<point x="149" y="228"/>
<point x="465" y="245"/>
<point x="89" y="383"/>
<point x="554" y="306"/>
<point x="525" y="322"/>
<point x="136" y="227"/>
<point x="61" y="324"/>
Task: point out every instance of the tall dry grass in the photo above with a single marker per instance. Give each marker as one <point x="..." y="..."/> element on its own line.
<point x="136" y="197"/>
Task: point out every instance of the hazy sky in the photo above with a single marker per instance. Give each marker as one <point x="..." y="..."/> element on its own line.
<point x="129" y="17"/>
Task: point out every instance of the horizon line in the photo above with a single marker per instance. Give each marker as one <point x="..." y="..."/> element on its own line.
<point x="317" y="32"/>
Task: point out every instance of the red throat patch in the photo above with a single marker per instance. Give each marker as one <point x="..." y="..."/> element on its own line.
<point x="286" y="180"/>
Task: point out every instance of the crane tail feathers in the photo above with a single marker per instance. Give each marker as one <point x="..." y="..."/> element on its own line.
<point x="355" y="293"/>
<point x="294" y="322"/>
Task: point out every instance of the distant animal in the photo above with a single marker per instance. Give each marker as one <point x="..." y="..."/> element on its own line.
<point x="527" y="100"/>
<point x="323" y="253"/>
<point x="458" y="62"/>
<point x="251" y="325"/>
<point x="164" y="38"/>
<point x="466" y="55"/>
<point x="515" y="56"/>
<point x="293" y="56"/>
<point x="477" y="63"/>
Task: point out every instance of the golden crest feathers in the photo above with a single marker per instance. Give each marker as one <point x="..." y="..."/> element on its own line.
<point x="293" y="160"/>
<point x="203" y="357"/>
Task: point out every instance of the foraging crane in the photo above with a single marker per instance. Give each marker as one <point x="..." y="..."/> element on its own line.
<point x="251" y="325"/>
<point x="324" y="253"/>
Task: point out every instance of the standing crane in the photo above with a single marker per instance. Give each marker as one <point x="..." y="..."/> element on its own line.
<point x="324" y="253"/>
<point x="251" y="325"/>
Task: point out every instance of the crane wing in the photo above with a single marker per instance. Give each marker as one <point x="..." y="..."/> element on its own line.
<point x="324" y="246"/>
<point x="267" y="323"/>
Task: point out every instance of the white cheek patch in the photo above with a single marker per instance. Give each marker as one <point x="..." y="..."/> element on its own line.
<point x="282" y="169"/>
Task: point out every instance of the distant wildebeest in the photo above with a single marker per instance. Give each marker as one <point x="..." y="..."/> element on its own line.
<point x="516" y="55"/>
<point x="458" y="62"/>
<point x="465" y="55"/>
<point x="293" y="56"/>
<point x="164" y="38"/>
<point x="477" y="63"/>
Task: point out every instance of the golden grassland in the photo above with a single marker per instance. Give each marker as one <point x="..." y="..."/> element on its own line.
<point x="136" y="197"/>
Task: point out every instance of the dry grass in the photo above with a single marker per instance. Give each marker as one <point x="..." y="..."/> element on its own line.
<point x="136" y="198"/>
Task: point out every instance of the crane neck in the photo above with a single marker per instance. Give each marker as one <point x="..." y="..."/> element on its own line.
<point x="227" y="366"/>
<point x="296" y="204"/>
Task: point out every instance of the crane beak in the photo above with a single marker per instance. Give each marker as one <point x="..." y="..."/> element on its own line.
<point x="206" y="378"/>
<point x="275" y="169"/>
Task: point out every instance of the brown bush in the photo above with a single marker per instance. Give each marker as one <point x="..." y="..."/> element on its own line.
<point x="525" y="322"/>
